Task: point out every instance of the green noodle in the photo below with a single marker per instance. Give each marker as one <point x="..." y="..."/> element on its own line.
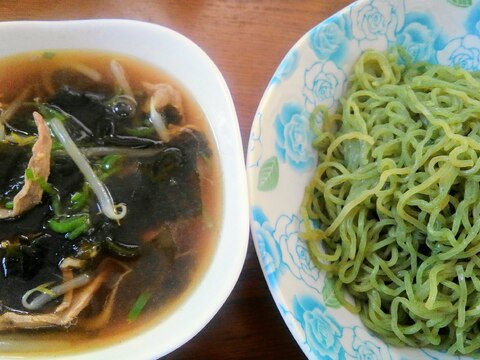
<point x="393" y="210"/>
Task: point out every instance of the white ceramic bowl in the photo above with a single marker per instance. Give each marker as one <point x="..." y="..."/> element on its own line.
<point x="281" y="159"/>
<point x="186" y="62"/>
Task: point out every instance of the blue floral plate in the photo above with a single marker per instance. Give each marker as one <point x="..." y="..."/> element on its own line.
<point x="281" y="159"/>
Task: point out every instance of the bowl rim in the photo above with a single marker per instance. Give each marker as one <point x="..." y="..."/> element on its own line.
<point x="279" y="296"/>
<point x="216" y="281"/>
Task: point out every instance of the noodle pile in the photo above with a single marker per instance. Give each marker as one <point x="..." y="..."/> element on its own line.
<point x="393" y="210"/>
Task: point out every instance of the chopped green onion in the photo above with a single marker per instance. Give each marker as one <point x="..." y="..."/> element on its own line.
<point x="72" y="235"/>
<point x="56" y="204"/>
<point x="108" y="162"/>
<point x="109" y="165"/>
<point x="123" y="250"/>
<point x="76" y="197"/>
<point x="73" y="226"/>
<point x="21" y="140"/>
<point x="141" y="131"/>
<point x="47" y="187"/>
<point x="138" y="306"/>
<point x="9" y="205"/>
<point x="80" y="199"/>
<point x="49" y="112"/>
<point x="48" y="55"/>
<point x="29" y="174"/>
<point x="56" y="145"/>
<point x="65" y="225"/>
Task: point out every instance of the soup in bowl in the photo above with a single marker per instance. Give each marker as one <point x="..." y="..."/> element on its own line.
<point x="115" y="215"/>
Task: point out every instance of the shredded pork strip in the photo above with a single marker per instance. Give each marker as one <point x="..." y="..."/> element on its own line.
<point x="164" y="94"/>
<point x="31" y="192"/>
<point x="67" y="314"/>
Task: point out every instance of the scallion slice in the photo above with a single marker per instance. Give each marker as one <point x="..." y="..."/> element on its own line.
<point x="138" y="306"/>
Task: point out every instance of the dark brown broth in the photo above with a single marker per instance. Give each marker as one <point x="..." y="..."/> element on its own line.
<point x="168" y="281"/>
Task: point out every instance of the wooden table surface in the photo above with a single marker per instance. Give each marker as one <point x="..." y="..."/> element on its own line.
<point x="247" y="40"/>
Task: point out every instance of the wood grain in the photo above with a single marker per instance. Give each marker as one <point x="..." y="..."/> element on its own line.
<point x="247" y="40"/>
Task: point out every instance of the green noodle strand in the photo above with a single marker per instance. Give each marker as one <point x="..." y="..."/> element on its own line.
<point x="393" y="210"/>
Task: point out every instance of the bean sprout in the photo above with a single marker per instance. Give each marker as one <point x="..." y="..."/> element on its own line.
<point x="109" y="209"/>
<point x="120" y="78"/>
<point x="47" y="295"/>
<point x="87" y="71"/>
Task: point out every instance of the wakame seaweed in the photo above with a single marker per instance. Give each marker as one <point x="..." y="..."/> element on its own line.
<point x="110" y="196"/>
<point x="159" y="188"/>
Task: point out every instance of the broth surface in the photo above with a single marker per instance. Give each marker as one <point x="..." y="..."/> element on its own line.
<point x="175" y="230"/>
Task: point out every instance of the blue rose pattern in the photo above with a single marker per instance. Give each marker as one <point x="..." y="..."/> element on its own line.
<point x="420" y="37"/>
<point x="295" y="250"/>
<point x="463" y="51"/>
<point x="368" y="347"/>
<point x="472" y="25"/>
<point x="377" y="21"/>
<point x="322" y="332"/>
<point x="255" y="147"/>
<point x="286" y="68"/>
<point x="294" y="138"/>
<point x="281" y="248"/>
<point x="328" y="40"/>
<point x="366" y="24"/>
<point x="268" y="247"/>
<point x="324" y="84"/>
